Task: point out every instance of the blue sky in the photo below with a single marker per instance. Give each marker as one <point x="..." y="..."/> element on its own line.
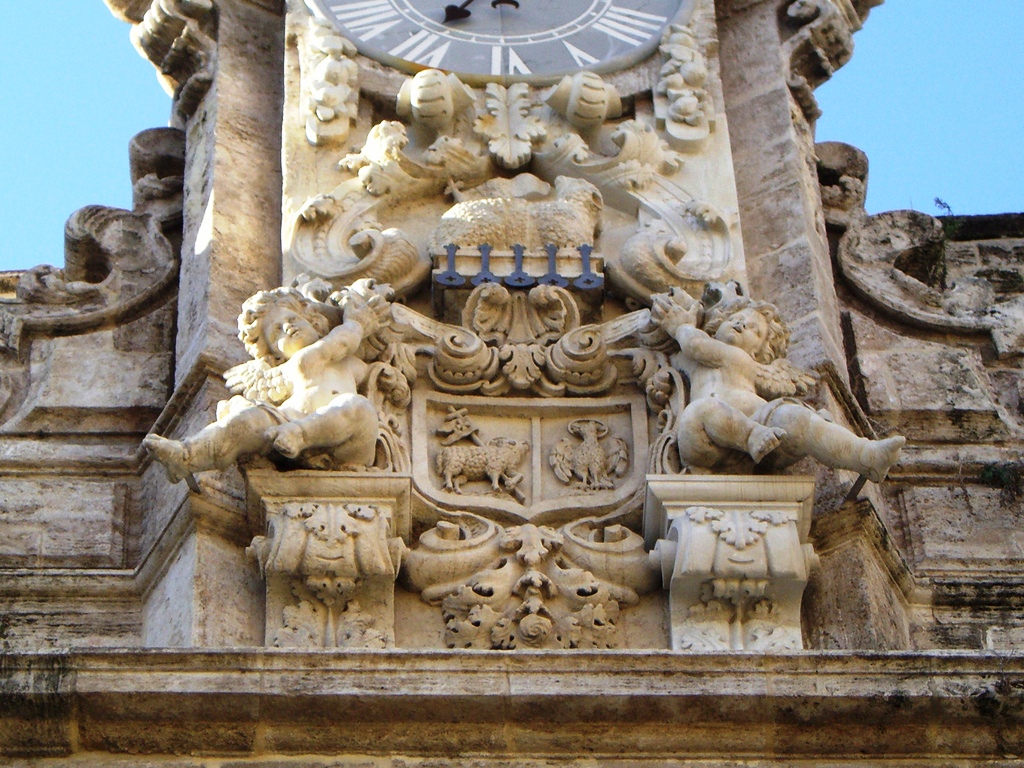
<point x="934" y="95"/>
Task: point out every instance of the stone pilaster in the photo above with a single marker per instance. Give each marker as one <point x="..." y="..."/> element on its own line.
<point x="780" y="206"/>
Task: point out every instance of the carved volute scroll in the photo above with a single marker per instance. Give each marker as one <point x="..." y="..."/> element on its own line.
<point x="735" y="558"/>
<point x="519" y="399"/>
<point x="116" y="262"/>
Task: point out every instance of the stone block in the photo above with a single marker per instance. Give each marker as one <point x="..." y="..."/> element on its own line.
<point x="63" y="522"/>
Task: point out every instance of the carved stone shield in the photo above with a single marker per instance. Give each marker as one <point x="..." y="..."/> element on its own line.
<point x="514" y="459"/>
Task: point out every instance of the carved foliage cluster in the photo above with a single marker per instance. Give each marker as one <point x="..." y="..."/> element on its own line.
<point x="331" y="84"/>
<point x="530" y="586"/>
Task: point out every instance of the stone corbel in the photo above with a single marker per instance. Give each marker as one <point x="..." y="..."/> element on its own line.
<point x="330" y="556"/>
<point x="735" y="558"/>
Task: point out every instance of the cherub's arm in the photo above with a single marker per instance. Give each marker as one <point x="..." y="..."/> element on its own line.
<point x="362" y="318"/>
<point x="695" y="344"/>
<point x="339" y="343"/>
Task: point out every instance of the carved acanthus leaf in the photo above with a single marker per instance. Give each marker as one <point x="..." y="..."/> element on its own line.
<point x="508" y="125"/>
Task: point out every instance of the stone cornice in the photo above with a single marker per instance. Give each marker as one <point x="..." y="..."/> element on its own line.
<point x="648" y="704"/>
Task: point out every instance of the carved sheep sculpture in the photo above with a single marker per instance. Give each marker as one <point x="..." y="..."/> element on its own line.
<point x="496" y="461"/>
<point x="572" y="219"/>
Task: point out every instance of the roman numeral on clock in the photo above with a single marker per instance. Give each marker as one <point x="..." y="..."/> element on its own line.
<point x="515" y="65"/>
<point x="367" y="20"/>
<point x="418" y="48"/>
<point x="633" y="27"/>
<point x="582" y="58"/>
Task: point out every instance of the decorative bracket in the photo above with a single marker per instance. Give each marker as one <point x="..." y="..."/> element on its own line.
<point x="330" y="556"/>
<point x="735" y="557"/>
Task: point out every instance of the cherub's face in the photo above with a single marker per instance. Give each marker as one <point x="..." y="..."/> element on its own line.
<point x="286" y="331"/>
<point x="747" y="330"/>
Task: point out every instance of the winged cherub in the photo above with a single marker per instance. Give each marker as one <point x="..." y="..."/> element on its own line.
<point x="299" y="392"/>
<point x="742" y="393"/>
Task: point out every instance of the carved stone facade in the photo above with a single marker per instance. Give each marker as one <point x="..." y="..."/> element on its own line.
<point x="590" y="400"/>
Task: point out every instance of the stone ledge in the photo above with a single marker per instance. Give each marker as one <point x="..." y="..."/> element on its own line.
<point x="648" y="705"/>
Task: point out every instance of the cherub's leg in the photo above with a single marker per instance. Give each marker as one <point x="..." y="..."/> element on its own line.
<point x="348" y="425"/>
<point x="216" y="446"/>
<point x="807" y="433"/>
<point x="709" y="428"/>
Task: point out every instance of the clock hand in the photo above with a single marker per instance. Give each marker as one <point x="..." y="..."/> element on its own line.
<point x="456" y="12"/>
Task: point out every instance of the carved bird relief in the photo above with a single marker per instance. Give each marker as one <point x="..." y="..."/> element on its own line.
<point x="592" y="467"/>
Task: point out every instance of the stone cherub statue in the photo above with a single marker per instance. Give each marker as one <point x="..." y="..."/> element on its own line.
<point x="741" y="392"/>
<point x="299" y="394"/>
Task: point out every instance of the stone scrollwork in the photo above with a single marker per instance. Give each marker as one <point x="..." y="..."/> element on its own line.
<point x="821" y="43"/>
<point x="177" y="37"/>
<point x="339" y="562"/>
<point x="331" y="84"/>
<point x="686" y="245"/>
<point x="338" y="234"/>
<point x="527" y="341"/>
<point x="735" y="559"/>
<point x="116" y="262"/>
<point x="895" y="260"/>
<point x="725" y="569"/>
<point x="385" y="169"/>
<point x="348" y="247"/>
<point x="528" y="586"/>
<point x="639" y="156"/>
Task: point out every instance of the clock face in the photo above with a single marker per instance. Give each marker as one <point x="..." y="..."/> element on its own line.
<point x="539" y="41"/>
